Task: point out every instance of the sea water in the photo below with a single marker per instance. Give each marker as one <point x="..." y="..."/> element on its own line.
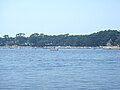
<point x="65" y="69"/>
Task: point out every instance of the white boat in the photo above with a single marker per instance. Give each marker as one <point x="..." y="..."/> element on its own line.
<point x="54" y="49"/>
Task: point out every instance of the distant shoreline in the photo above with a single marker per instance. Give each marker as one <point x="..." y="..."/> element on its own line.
<point x="63" y="47"/>
<point x="101" y="38"/>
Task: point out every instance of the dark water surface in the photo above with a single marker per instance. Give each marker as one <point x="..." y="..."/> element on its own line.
<point x="66" y="69"/>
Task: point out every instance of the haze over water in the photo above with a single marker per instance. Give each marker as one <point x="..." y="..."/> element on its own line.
<point x="66" y="69"/>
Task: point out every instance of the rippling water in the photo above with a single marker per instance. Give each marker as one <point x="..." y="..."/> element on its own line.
<point x="66" y="69"/>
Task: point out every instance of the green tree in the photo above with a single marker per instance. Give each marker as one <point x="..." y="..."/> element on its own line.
<point x="20" y="39"/>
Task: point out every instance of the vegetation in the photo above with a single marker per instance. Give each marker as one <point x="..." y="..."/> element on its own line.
<point x="96" y="39"/>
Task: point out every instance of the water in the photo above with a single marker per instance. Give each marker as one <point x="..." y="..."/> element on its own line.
<point x="66" y="69"/>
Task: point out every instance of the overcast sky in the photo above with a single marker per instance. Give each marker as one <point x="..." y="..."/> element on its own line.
<point x="58" y="16"/>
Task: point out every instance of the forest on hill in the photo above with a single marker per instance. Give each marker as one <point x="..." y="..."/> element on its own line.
<point x="95" y="39"/>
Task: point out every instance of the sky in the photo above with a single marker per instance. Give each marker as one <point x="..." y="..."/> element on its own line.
<point x="53" y="17"/>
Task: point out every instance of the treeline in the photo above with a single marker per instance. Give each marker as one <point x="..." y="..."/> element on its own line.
<point x="96" y="39"/>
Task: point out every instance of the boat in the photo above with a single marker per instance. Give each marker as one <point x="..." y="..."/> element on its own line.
<point x="54" y="49"/>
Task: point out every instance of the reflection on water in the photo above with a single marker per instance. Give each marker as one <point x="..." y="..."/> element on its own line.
<point x="66" y="69"/>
